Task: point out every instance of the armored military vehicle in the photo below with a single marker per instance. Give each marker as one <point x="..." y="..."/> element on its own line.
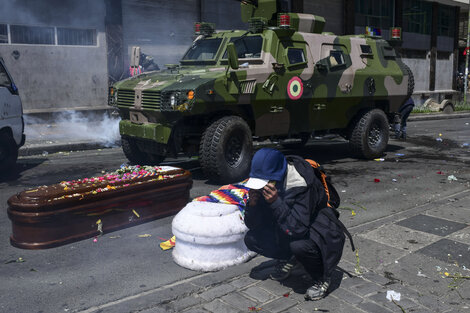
<point x="282" y="78"/>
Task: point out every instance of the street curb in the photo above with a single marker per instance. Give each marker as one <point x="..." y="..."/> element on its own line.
<point x="37" y="149"/>
<point x="436" y="116"/>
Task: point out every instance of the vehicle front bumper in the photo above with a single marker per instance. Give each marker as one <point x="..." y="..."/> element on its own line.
<point x="151" y="131"/>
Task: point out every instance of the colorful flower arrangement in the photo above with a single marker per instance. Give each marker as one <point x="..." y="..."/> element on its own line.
<point x="123" y="177"/>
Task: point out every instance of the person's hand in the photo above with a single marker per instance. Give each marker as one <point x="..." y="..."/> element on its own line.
<point x="253" y="197"/>
<point x="270" y="193"/>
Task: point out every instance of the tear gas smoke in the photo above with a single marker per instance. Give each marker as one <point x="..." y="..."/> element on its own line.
<point x="72" y="127"/>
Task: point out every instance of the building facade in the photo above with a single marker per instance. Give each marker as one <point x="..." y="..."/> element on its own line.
<point x="64" y="53"/>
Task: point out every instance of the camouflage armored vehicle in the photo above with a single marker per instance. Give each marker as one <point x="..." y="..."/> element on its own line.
<point x="282" y="78"/>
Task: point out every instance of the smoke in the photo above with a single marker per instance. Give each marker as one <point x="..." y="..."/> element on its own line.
<point x="73" y="127"/>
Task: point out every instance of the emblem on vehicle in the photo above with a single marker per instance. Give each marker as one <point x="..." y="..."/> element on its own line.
<point x="295" y="88"/>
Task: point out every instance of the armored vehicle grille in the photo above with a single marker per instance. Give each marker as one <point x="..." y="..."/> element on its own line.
<point x="125" y="98"/>
<point x="151" y="100"/>
<point x="248" y="86"/>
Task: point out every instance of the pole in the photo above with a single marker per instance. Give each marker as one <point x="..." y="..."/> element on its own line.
<point x="466" y="58"/>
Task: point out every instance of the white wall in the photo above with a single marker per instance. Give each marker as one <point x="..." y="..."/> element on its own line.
<point x="420" y="69"/>
<point x="52" y="77"/>
<point x="444" y="70"/>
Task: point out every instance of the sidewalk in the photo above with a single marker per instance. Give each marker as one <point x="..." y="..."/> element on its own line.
<point x="422" y="253"/>
<point x="81" y="134"/>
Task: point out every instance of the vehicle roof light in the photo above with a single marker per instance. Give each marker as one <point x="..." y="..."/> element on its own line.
<point x="197" y="28"/>
<point x="284" y="20"/>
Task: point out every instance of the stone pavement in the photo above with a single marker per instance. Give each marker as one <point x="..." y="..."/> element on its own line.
<point x="422" y="253"/>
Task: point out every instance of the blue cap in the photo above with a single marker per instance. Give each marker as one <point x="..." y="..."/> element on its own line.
<point x="267" y="164"/>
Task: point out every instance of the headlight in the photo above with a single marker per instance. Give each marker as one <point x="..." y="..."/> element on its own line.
<point x="173" y="101"/>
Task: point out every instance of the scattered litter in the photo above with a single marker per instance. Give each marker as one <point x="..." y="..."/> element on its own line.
<point x="136" y="214"/>
<point x="439" y="139"/>
<point x="100" y="226"/>
<point x="399" y="154"/>
<point x="32" y="270"/>
<point x="465" y="144"/>
<point x="114" y="237"/>
<point x="396" y="262"/>
<point x="19" y="260"/>
<point x="286" y="295"/>
<point x="95" y="239"/>
<point x="392" y="295"/>
<point x="145" y="236"/>
<point x="438" y="268"/>
<point x="466" y="124"/>
<point x="379" y="160"/>
<point x="421" y="274"/>
<point x="394" y="180"/>
<point x="253" y="308"/>
<point x="343" y="190"/>
<point x="168" y="244"/>
<point x="45" y="153"/>
<point x="440" y="135"/>
<point x="451" y="178"/>
<point x="440" y="173"/>
<point x="376" y="180"/>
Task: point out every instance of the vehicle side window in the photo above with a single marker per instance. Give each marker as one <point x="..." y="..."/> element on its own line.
<point x="4" y="79"/>
<point x="366" y="49"/>
<point x="248" y="47"/>
<point x="295" y="55"/>
<point x="336" y="58"/>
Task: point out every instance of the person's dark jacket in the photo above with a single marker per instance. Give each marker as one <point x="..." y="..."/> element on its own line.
<point x="302" y="212"/>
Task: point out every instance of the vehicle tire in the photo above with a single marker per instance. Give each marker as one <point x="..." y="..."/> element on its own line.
<point x="226" y="149"/>
<point x="411" y="80"/>
<point x="299" y="144"/>
<point x="370" y="134"/>
<point x="8" y="152"/>
<point x="133" y="153"/>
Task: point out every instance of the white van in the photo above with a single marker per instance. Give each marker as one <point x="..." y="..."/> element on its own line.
<point x="11" y="120"/>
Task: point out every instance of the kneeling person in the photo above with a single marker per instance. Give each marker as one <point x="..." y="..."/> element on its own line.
<point x="289" y="219"/>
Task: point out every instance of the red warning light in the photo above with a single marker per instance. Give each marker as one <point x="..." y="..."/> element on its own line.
<point x="197" y="28"/>
<point x="466" y="50"/>
<point x="284" y="20"/>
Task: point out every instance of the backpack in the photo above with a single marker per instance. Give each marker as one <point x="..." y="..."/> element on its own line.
<point x="333" y="199"/>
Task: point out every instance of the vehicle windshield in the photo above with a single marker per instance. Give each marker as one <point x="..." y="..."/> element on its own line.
<point x="203" y="50"/>
<point x="4" y="79"/>
<point x="247" y="47"/>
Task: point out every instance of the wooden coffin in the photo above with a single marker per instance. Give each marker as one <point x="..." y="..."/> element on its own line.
<point x="54" y="215"/>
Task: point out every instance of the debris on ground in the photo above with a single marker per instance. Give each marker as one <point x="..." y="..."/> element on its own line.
<point x="145" y="236"/>
<point x="399" y="154"/>
<point x="168" y="244"/>
<point x="376" y="180"/>
<point x="379" y="160"/>
<point x="439" y="139"/>
<point x="19" y="260"/>
<point x="393" y="295"/>
<point x="451" y="178"/>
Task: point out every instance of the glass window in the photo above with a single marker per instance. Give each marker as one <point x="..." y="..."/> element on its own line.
<point x="376" y="13"/>
<point x="366" y="49"/>
<point x="4" y="79"/>
<point x="247" y="47"/>
<point x="3" y="33"/>
<point x="446" y="21"/>
<point x="295" y="55"/>
<point x="417" y="16"/>
<point x="203" y="49"/>
<point x="32" y="35"/>
<point x="336" y="58"/>
<point x="76" y="37"/>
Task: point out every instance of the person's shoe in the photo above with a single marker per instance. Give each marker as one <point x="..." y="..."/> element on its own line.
<point x="318" y="290"/>
<point x="283" y="269"/>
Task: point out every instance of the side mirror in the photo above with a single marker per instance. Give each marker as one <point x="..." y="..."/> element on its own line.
<point x="232" y="56"/>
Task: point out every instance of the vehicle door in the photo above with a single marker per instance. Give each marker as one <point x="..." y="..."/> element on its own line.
<point x="333" y="86"/>
<point x="10" y="104"/>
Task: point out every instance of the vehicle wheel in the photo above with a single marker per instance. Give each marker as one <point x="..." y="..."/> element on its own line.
<point x="369" y="136"/>
<point x="8" y="152"/>
<point x="226" y="149"/>
<point x="133" y="153"/>
<point x="298" y="144"/>
<point x="447" y="106"/>
<point x="411" y="80"/>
